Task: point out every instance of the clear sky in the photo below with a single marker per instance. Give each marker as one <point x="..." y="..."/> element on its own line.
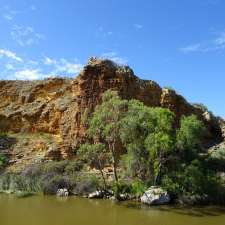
<point x="178" y="43"/>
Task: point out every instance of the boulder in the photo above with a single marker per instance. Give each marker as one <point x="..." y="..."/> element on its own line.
<point x="63" y="192"/>
<point x="96" y="194"/>
<point x="155" y="196"/>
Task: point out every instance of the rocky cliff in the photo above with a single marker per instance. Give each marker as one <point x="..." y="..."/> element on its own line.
<point x="41" y="120"/>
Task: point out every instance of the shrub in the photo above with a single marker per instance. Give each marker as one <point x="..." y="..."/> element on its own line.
<point x="172" y="186"/>
<point x="34" y="170"/>
<point x="2" y="160"/>
<point x="87" y="184"/>
<point x="195" y="180"/>
<point x="74" y="166"/>
<point x="190" y="137"/>
<point x="17" y="182"/>
<point x="138" y="188"/>
<point x="55" y="167"/>
<point x="50" y="186"/>
<point x="216" y="160"/>
<point x="5" y="182"/>
<point x="121" y="187"/>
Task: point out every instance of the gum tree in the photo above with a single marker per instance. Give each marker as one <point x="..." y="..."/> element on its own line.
<point x="105" y="124"/>
<point x="96" y="156"/>
<point x="148" y="135"/>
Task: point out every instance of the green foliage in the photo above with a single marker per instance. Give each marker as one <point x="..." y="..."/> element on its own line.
<point x="216" y="159"/>
<point x="156" y="153"/>
<point x="54" y="167"/>
<point x="195" y="179"/>
<point x="105" y="123"/>
<point x="172" y="185"/>
<point x="45" y="177"/>
<point x="16" y="182"/>
<point x="96" y="156"/>
<point x="3" y="134"/>
<point x="138" y="188"/>
<point x="134" y="187"/>
<point x="74" y="167"/>
<point x="190" y="136"/>
<point x="50" y="185"/>
<point x="85" y="117"/>
<point x="3" y="160"/>
<point x="87" y="184"/>
<point x="121" y="187"/>
<point x="147" y="133"/>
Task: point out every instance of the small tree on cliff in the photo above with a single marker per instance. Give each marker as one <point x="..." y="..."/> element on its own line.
<point x="105" y="123"/>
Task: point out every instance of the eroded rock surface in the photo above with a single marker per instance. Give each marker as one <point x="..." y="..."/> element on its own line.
<point x="59" y="107"/>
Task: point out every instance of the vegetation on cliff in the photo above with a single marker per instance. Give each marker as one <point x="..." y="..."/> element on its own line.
<point x="143" y="146"/>
<point x="57" y="108"/>
<point x="74" y="134"/>
<point x="157" y="151"/>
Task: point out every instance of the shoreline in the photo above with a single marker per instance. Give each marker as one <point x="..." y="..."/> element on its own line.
<point x="23" y="194"/>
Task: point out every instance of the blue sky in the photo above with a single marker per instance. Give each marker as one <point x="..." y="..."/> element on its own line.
<point x="178" y="43"/>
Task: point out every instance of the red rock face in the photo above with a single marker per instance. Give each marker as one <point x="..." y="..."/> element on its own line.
<point x="59" y="106"/>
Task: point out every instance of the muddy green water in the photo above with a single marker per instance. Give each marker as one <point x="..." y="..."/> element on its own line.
<point x="39" y="210"/>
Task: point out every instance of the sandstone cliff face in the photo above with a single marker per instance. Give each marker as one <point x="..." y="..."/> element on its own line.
<point x="58" y="107"/>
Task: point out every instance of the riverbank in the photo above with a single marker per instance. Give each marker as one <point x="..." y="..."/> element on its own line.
<point x="65" y="178"/>
<point x="182" y="201"/>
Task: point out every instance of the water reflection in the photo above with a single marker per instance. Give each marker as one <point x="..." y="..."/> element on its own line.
<point x="40" y="210"/>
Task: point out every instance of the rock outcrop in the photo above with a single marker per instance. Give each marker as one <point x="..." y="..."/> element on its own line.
<point x="54" y="111"/>
<point x="155" y="196"/>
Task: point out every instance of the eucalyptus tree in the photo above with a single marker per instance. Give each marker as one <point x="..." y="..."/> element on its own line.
<point x="105" y="124"/>
<point x="96" y="156"/>
<point x="190" y="136"/>
<point x="148" y="135"/>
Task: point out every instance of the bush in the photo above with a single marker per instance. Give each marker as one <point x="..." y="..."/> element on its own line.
<point x="190" y="137"/>
<point x="55" y="167"/>
<point x="172" y="186"/>
<point x="216" y="160"/>
<point x="73" y="167"/>
<point x="121" y="187"/>
<point x="17" y="182"/>
<point x="5" y="182"/>
<point x="87" y="184"/>
<point x="138" y="188"/>
<point x="50" y="186"/>
<point x="46" y="177"/>
<point x="2" y="160"/>
<point x="195" y="180"/>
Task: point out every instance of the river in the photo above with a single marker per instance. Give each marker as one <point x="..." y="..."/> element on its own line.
<point x="50" y="210"/>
